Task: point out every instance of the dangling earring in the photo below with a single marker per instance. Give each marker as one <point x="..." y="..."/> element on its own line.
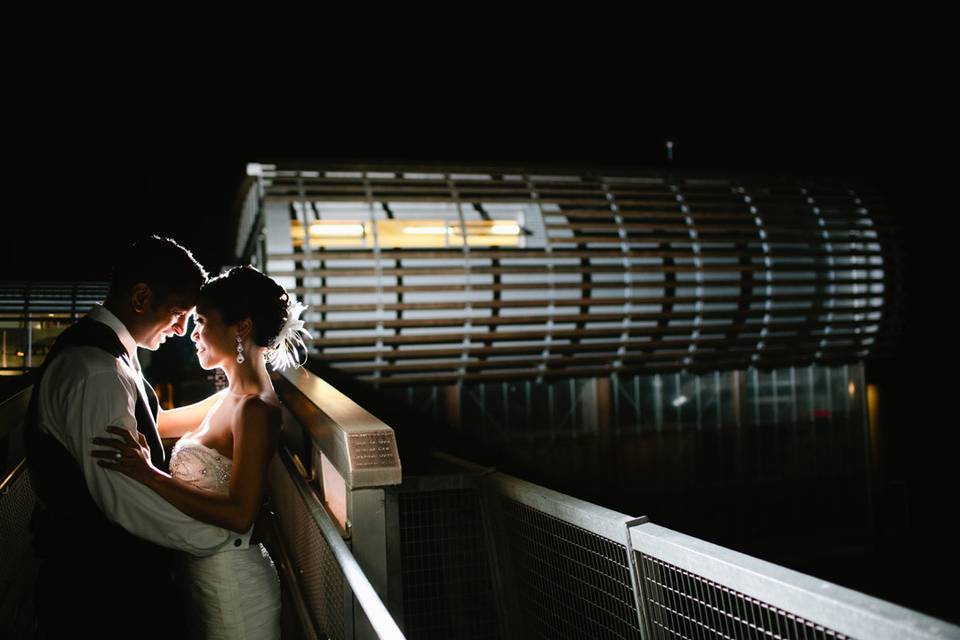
<point x="240" y="357"/>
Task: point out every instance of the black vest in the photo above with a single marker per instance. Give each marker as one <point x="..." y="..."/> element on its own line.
<point x="67" y="524"/>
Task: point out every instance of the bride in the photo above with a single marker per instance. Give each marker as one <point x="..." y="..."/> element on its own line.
<point x="218" y="466"/>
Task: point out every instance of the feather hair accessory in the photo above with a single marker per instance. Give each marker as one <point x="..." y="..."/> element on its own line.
<point x="286" y="348"/>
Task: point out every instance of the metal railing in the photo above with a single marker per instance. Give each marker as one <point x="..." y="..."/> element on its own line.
<point x="17" y="501"/>
<point x="444" y="573"/>
<point x="578" y="570"/>
<point x="323" y="577"/>
<point x="691" y="588"/>
<point x="327" y="574"/>
<point x="565" y="562"/>
<point x="560" y="567"/>
<point x="329" y="497"/>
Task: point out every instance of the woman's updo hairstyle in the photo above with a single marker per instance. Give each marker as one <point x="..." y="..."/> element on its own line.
<point x="244" y="292"/>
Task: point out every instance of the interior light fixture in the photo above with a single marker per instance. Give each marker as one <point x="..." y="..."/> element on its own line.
<point x="325" y="230"/>
<point x="509" y="229"/>
<point x="428" y="231"/>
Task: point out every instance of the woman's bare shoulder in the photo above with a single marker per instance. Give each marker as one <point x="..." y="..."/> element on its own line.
<point x="257" y="410"/>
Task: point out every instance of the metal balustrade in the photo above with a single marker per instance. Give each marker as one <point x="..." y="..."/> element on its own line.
<point x="322" y="570"/>
<point x="691" y="588"/>
<point x="17" y="500"/>
<point x="329" y="497"/>
<point x="480" y="554"/>
<point x="580" y="570"/>
<point x="17" y="565"/>
<point x="331" y="594"/>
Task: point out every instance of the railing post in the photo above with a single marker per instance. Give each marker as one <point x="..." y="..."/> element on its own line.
<point x="636" y="580"/>
<point x="368" y="534"/>
<point x="353" y="458"/>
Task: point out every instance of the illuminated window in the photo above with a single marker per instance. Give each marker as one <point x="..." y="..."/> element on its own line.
<point x="33" y="337"/>
<point x="333" y="233"/>
<point x="440" y="233"/>
<point x="410" y="234"/>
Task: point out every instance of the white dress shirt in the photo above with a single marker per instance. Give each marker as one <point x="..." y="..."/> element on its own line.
<point x="84" y="390"/>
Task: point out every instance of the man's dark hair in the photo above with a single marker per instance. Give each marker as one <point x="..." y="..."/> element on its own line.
<point x="162" y="264"/>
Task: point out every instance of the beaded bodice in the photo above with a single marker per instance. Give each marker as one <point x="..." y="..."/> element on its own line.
<point x="201" y="466"/>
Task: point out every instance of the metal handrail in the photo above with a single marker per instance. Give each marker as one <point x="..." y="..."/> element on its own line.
<point x="282" y="556"/>
<point x="591" y="517"/>
<point x="851" y="613"/>
<point x="339" y="427"/>
<point x="843" y="610"/>
<point x="13" y="410"/>
<point x="12" y="476"/>
<point x="378" y="615"/>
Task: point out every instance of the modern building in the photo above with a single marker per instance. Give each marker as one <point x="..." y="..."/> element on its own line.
<point x="505" y="362"/>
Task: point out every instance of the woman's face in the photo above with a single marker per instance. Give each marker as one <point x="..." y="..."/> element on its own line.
<point x="215" y="340"/>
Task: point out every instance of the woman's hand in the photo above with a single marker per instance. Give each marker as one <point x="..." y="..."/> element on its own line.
<point x="129" y="456"/>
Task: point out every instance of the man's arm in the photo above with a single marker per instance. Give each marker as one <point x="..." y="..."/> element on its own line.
<point x="256" y="428"/>
<point x="108" y="398"/>
<point x="173" y="423"/>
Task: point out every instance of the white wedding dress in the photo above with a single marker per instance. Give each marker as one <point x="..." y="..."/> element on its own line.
<point x="233" y="594"/>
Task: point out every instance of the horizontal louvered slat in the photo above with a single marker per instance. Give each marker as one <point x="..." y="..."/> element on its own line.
<point x="605" y="301"/>
<point x="567" y="318"/>
<point x="563" y="333"/>
<point x="648" y="348"/>
<point x="21" y="298"/>
<point x="801" y="265"/>
<point x="605" y="253"/>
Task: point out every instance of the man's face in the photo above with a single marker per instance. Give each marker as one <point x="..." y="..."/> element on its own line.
<point x="164" y="318"/>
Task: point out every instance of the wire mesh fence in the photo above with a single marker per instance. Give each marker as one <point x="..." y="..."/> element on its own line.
<point x="319" y="579"/>
<point x="17" y="565"/>
<point x="680" y="604"/>
<point x="572" y="583"/>
<point x="582" y="571"/>
<point x="446" y="576"/>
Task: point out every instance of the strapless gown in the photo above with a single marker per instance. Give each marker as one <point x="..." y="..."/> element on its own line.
<point x="233" y="594"/>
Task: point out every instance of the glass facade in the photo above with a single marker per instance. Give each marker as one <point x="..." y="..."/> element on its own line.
<point x="32" y="315"/>
<point x="24" y="343"/>
<point x="791" y="397"/>
<point x="744" y="456"/>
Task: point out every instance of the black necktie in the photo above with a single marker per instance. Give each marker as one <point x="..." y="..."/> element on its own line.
<point x="147" y="415"/>
<point x="148" y="426"/>
<point x="152" y="399"/>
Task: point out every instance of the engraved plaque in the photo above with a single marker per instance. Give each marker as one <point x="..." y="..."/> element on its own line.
<point x="372" y="450"/>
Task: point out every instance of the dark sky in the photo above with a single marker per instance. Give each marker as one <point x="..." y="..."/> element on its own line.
<point x="103" y="152"/>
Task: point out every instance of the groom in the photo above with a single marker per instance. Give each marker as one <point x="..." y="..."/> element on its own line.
<point x="105" y="540"/>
